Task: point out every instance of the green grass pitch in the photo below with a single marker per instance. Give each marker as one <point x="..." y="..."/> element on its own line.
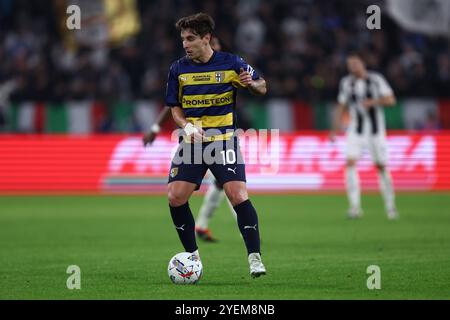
<point x="123" y="244"/>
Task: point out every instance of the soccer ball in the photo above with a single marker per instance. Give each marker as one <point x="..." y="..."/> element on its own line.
<point x="185" y="268"/>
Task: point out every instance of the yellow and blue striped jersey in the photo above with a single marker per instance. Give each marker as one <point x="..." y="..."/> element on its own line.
<point x="207" y="91"/>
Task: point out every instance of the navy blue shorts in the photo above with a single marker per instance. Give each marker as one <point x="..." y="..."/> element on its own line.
<point x="223" y="158"/>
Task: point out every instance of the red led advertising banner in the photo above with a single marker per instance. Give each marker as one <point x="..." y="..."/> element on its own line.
<point x="275" y="162"/>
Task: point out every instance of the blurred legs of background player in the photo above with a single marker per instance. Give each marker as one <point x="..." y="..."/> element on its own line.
<point x="212" y="200"/>
<point x="377" y="148"/>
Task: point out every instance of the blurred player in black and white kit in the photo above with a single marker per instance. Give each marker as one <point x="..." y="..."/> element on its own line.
<point x="365" y="94"/>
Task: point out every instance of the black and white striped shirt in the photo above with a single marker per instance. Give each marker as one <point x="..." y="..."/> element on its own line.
<point x="353" y="91"/>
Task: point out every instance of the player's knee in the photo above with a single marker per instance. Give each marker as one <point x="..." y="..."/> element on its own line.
<point x="176" y="199"/>
<point x="237" y="196"/>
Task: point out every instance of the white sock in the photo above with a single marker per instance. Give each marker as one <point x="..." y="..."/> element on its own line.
<point x="352" y="183"/>
<point x="212" y="200"/>
<point x="386" y="188"/>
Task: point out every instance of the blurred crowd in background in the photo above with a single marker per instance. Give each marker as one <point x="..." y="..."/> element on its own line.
<point x="299" y="46"/>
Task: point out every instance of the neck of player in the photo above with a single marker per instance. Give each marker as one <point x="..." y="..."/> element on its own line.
<point x="206" y="55"/>
<point x="362" y="74"/>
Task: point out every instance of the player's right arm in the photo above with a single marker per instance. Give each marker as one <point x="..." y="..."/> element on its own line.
<point x="336" y="124"/>
<point x="342" y="101"/>
<point x="173" y="100"/>
<point x="189" y="129"/>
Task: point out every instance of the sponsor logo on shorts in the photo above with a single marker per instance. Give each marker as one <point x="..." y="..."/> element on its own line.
<point x="173" y="172"/>
<point x="232" y="170"/>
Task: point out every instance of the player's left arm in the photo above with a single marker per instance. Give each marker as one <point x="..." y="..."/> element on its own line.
<point x="257" y="87"/>
<point x="385" y="101"/>
<point x="387" y="97"/>
<point x="249" y="78"/>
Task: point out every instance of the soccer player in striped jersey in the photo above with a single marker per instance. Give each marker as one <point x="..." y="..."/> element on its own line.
<point x="365" y="94"/>
<point x="201" y="90"/>
<point x="215" y="194"/>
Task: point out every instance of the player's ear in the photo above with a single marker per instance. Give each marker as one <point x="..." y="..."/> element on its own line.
<point x="207" y="38"/>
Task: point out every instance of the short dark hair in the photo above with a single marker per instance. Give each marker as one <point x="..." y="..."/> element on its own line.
<point x="200" y="24"/>
<point x="357" y="53"/>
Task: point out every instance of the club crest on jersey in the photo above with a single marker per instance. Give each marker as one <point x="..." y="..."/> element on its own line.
<point x="220" y="76"/>
<point x="173" y="172"/>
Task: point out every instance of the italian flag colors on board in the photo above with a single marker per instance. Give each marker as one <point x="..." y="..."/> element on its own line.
<point x="82" y="117"/>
